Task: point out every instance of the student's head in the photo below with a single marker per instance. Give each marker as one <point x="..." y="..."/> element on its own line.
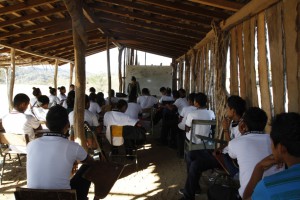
<point x="254" y="119"/>
<point x="72" y="87"/>
<point x="145" y="91"/>
<point x="43" y="101"/>
<point x="175" y="94"/>
<point x="36" y="92"/>
<point x="133" y="79"/>
<point x="52" y="90"/>
<point x="285" y="135"/>
<point x="168" y="91"/>
<point x="122" y="105"/>
<point x="163" y="90"/>
<point x="182" y="93"/>
<point x="71" y="99"/>
<point x="57" y="119"/>
<point x="92" y="97"/>
<point x="200" y="100"/>
<point x="191" y="98"/>
<point x="112" y="93"/>
<point x="87" y="102"/>
<point x="62" y="89"/>
<point x="236" y="106"/>
<point x="92" y="90"/>
<point x="21" y="102"/>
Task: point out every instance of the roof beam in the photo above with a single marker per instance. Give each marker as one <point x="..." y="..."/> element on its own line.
<point x="223" y="4"/>
<point x="34" y="53"/>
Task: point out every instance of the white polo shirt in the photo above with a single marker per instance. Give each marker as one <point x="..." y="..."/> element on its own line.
<point x="20" y="123"/>
<point x="133" y="110"/>
<point x="117" y="118"/>
<point x="89" y="117"/>
<point x="94" y="108"/>
<point x="184" y="113"/>
<point x="53" y="100"/>
<point x="165" y="98"/>
<point x="204" y="130"/>
<point x="50" y="160"/>
<point x="180" y="103"/>
<point x="40" y="113"/>
<point x="249" y="150"/>
<point x="146" y="101"/>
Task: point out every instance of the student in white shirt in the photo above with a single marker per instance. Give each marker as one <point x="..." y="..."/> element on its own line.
<point x="146" y="100"/>
<point x="133" y="110"/>
<point x="17" y="122"/>
<point x="50" y="158"/>
<point x="42" y="108"/>
<point x="53" y="99"/>
<point x="252" y="146"/>
<point x="62" y="94"/>
<point x="114" y="100"/>
<point x="36" y="93"/>
<point x="94" y="106"/>
<point x="165" y="95"/>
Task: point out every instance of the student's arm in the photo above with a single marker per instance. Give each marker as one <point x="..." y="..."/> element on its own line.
<point x="225" y="125"/>
<point x="257" y="174"/>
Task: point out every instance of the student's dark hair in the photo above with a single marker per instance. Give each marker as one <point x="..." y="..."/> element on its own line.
<point x="92" y="97"/>
<point x="36" y="91"/>
<point x="42" y="100"/>
<point x="175" y="94"/>
<point x="61" y="88"/>
<point x="146" y="91"/>
<point x="255" y="119"/>
<point x="92" y="90"/>
<point x="168" y="91"/>
<point x="237" y="103"/>
<point x="182" y="92"/>
<point x="57" y="118"/>
<point x="52" y="90"/>
<point x="133" y="78"/>
<point x="71" y="99"/>
<point x="286" y="131"/>
<point x="72" y="86"/>
<point x="121" y="103"/>
<point x="100" y="99"/>
<point x="201" y="99"/>
<point x="112" y="93"/>
<point x="162" y="89"/>
<point x="191" y="97"/>
<point x="20" y="98"/>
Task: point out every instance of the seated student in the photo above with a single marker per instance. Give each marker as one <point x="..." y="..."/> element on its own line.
<point x="114" y="100"/>
<point x="252" y="146"/>
<point x="285" y="144"/>
<point x="50" y="158"/>
<point x="165" y="95"/>
<point x="94" y="107"/>
<point x="146" y="100"/>
<point x="42" y="108"/>
<point x="92" y="90"/>
<point x="100" y="99"/>
<point x="180" y="101"/>
<point x="91" y="119"/>
<point x="121" y="119"/>
<point x="133" y="110"/>
<point x="53" y="99"/>
<point x="70" y="101"/>
<point x="18" y="122"/>
<point x="181" y="126"/>
<point x="36" y="93"/>
<point x="62" y="94"/>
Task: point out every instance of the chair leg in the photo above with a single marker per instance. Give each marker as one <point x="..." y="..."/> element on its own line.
<point x="19" y="160"/>
<point x="2" y="171"/>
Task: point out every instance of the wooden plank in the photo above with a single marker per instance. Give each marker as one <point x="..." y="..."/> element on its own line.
<point x="201" y="71"/>
<point x="174" y="74"/>
<point x="55" y="73"/>
<point x="226" y="5"/>
<point x="187" y="78"/>
<point x="71" y="73"/>
<point x="234" y="83"/>
<point x="11" y="82"/>
<point x="193" y="62"/>
<point x="198" y="72"/>
<point x="108" y="71"/>
<point x="241" y="60"/>
<point x="263" y="68"/>
<point x="292" y="65"/>
<point x="120" y="68"/>
<point x="274" y="22"/>
<point x="180" y="84"/>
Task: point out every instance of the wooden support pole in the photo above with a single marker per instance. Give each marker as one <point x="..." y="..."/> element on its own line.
<point x="234" y="83"/>
<point x="274" y="22"/>
<point x="55" y="73"/>
<point x="11" y="77"/>
<point x="124" y="71"/>
<point x="108" y="71"/>
<point x="180" y="85"/>
<point x="292" y="60"/>
<point x="71" y="73"/>
<point x="263" y="68"/>
<point x="174" y="74"/>
<point x="241" y="60"/>
<point x="120" y="68"/>
<point x="187" y="79"/>
<point x="79" y="40"/>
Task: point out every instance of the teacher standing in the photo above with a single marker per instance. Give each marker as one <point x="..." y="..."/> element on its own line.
<point x="133" y="90"/>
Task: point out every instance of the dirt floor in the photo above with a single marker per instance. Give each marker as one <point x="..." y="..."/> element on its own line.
<point x="160" y="175"/>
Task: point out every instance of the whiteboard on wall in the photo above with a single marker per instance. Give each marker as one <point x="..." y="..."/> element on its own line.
<point x="151" y="77"/>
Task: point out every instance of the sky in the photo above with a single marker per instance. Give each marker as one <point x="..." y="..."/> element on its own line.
<point x="97" y="63"/>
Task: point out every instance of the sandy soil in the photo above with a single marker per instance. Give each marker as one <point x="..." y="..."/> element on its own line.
<point x="161" y="174"/>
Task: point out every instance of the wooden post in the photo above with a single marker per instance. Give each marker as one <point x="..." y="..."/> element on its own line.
<point x="180" y="85"/>
<point x="187" y="79"/>
<point x="241" y="60"/>
<point x="174" y="74"/>
<point x="11" y="78"/>
<point x="108" y="71"/>
<point x="234" y="90"/>
<point x="263" y="68"/>
<point x="193" y="61"/>
<point x="124" y="71"/>
<point x="71" y="73"/>
<point x="292" y="60"/>
<point x="80" y="43"/>
<point x="120" y="68"/>
<point x="55" y="73"/>
<point x="274" y="20"/>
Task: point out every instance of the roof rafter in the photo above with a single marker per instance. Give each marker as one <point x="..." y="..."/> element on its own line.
<point x="223" y="4"/>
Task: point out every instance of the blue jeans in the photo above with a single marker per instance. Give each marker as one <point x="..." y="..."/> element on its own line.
<point x="197" y="162"/>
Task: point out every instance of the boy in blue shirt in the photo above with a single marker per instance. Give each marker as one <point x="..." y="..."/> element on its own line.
<point x="285" y="185"/>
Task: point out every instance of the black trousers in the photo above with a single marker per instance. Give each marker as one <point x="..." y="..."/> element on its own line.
<point x="80" y="184"/>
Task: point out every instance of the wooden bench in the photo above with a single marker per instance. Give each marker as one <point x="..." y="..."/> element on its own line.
<point x="42" y="194"/>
